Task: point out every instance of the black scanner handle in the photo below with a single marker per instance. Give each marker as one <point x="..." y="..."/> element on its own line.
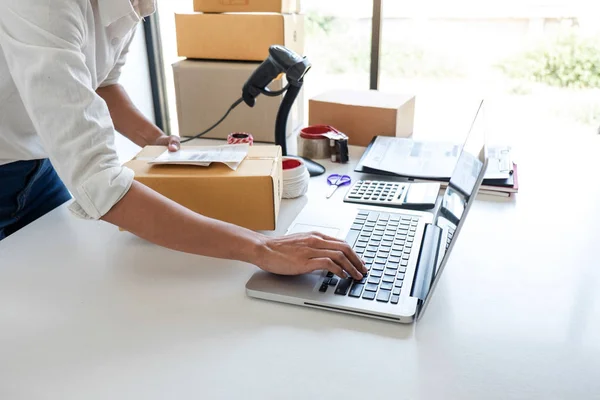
<point x="281" y="60"/>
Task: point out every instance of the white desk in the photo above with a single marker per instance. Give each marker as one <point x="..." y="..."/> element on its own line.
<point x="88" y="312"/>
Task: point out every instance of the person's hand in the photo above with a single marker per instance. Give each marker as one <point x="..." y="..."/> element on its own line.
<point x="172" y="142"/>
<point x="306" y="252"/>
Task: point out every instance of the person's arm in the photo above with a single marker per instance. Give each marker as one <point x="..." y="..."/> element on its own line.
<point x="159" y="220"/>
<point x="43" y="43"/>
<point x="129" y="121"/>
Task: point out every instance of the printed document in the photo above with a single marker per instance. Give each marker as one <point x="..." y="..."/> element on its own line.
<point x="230" y="155"/>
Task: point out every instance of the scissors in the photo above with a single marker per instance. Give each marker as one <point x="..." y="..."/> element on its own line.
<point x="335" y="181"/>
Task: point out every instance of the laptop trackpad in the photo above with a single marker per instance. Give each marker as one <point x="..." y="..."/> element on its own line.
<point x="301" y="228"/>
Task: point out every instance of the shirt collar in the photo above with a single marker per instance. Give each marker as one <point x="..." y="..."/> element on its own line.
<point x="113" y="10"/>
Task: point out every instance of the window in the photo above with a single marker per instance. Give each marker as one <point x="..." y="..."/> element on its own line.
<point x="338" y="44"/>
<point x="166" y="17"/>
<point x="535" y="62"/>
<point x="518" y="55"/>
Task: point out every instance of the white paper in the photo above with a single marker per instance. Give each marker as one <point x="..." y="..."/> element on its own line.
<point x="231" y="155"/>
<point x="409" y="158"/>
<point x="500" y="164"/>
<point x="430" y="160"/>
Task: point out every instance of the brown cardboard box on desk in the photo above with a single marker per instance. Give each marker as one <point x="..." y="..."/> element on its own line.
<point x="237" y="36"/>
<point x="363" y="114"/>
<point x="277" y="6"/>
<point x="249" y="196"/>
<point x="206" y="89"/>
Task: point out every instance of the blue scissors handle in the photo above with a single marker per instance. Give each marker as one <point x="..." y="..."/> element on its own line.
<point x="338" y="180"/>
<point x="335" y="181"/>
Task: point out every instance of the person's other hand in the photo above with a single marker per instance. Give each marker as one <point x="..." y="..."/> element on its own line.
<point x="172" y="142"/>
<point x="306" y="252"/>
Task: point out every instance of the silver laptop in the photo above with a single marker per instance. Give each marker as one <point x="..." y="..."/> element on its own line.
<point x="405" y="251"/>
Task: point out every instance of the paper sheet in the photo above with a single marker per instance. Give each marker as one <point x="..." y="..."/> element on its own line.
<point x="429" y="160"/>
<point x="230" y="155"/>
<point x="407" y="157"/>
<point x="500" y="165"/>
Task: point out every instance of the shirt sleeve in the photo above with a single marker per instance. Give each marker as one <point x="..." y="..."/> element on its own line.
<point x="115" y="73"/>
<point x="42" y="43"/>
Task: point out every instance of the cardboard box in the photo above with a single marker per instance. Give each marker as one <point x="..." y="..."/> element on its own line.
<point x="276" y="6"/>
<point x="364" y="114"/>
<point x="206" y="89"/>
<point x="249" y="196"/>
<point x="244" y="37"/>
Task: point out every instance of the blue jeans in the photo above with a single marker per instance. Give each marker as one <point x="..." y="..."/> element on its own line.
<point x="28" y="190"/>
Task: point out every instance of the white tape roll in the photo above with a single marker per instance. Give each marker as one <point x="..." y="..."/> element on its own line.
<point x="295" y="178"/>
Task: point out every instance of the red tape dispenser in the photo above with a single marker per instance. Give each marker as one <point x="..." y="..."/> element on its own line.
<point x="323" y="141"/>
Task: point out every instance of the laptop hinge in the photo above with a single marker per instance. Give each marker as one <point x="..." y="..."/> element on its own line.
<point x="427" y="262"/>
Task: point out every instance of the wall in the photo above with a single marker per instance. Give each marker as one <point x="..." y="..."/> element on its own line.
<point x="135" y="79"/>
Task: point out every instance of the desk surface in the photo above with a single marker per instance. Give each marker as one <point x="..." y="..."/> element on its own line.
<point x="88" y="312"/>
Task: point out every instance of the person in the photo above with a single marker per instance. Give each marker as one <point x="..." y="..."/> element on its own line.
<point x="60" y="106"/>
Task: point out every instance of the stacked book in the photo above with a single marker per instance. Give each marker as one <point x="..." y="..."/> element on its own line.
<point x="501" y="187"/>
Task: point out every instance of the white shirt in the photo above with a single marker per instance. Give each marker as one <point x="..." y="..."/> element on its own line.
<point x="54" y="55"/>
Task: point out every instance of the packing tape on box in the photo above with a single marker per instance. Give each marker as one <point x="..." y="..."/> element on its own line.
<point x="240" y="137"/>
<point x="319" y="142"/>
<point x="295" y="178"/>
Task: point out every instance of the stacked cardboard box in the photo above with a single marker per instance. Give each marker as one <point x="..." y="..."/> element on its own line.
<point x="223" y="42"/>
<point x="364" y="114"/>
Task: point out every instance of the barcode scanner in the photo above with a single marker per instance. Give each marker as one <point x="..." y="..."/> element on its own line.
<point x="281" y="60"/>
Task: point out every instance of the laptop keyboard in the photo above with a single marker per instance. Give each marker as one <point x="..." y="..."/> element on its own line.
<point x="384" y="241"/>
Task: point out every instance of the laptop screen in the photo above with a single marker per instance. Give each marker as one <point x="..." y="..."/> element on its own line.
<point x="462" y="187"/>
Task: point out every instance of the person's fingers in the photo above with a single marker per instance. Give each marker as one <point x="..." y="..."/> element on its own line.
<point x="326" y="263"/>
<point x="327" y="237"/>
<point x="162" y="141"/>
<point x="174" y="143"/>
<point x="344" y="248"/>
<point x="340" y="259"/>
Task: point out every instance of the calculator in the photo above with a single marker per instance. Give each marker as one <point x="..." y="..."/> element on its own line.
<point x="394" y="194"/>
